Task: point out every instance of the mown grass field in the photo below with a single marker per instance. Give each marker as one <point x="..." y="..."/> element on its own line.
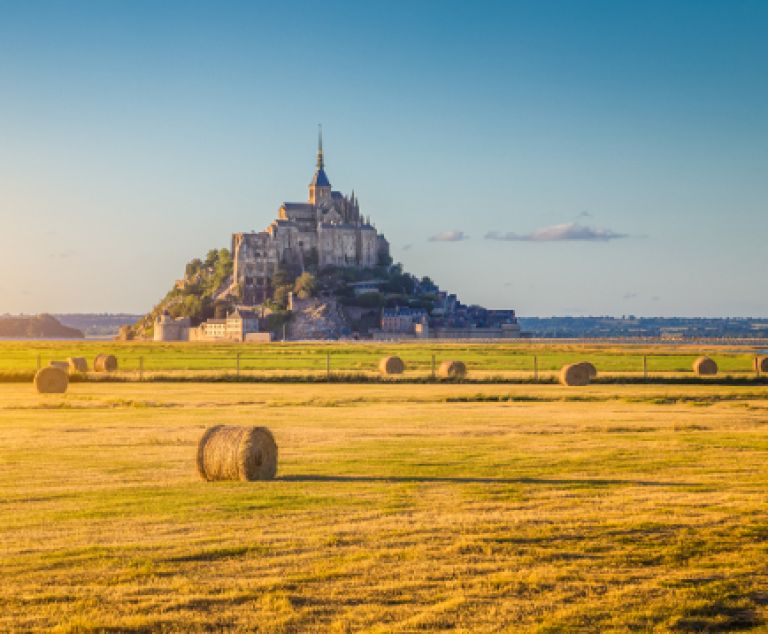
<point x="512" y="358"/>
<point x="397" y="508"/>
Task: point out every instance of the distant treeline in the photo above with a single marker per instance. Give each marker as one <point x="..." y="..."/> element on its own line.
<point x="108" y="324"/>
<point x="97" y="324"/>
<point x="646" y="327"/>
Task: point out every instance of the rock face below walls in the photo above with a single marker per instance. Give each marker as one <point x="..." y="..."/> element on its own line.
<point x="317" y="318"/>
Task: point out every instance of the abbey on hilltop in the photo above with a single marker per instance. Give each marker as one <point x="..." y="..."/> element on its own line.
<point x="320" y="270"/>
<point x="327" y="230"/>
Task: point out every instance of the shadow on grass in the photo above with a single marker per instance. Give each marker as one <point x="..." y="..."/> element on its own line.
<point x="578" y="482"/>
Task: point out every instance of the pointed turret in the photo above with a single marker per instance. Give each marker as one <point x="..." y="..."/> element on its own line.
<point x="320" y="186"/>
<point x="320" y="161"/>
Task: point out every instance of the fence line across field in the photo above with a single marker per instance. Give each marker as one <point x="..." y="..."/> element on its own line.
<point x="329" y="362"/>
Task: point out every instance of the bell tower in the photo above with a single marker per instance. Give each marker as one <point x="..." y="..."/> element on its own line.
<point x="320" y="187"/>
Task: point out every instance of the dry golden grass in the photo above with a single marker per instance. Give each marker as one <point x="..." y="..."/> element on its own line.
<point x="397" y="508"/>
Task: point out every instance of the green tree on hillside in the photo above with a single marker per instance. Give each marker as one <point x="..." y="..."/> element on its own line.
<point x="211" y="258"/>
<point x="305" y="285"/>
<point x="193" y="267"/>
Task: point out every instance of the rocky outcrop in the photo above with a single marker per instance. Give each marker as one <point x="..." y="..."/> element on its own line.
<point x="37" y="327"/>
<point x="317" y="318"/>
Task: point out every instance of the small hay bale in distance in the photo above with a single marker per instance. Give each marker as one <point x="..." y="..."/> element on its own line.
<point x="51" y="380"/>
<point x="77" y="365"/>
<point x="761" y="364"/>
<point x="105" y="363"/>
<point x="591" y="369"/>
<point x="229" y="452"/>
<point x="452" y="370"/>
<point x="62" y="365"/>
<point x="391" y="365"/>
<point x="704" y="366"/>
<point x="574" y="374"/>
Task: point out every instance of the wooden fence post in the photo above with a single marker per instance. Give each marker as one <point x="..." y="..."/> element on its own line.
<point x="433" y="367"/>
<point x="327" y="366"/>
<point x="535" y="369"/>
<point x="238" y="364"/>
<point x="645" y="367"/>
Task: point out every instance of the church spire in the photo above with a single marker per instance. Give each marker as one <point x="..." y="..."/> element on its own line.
<point x="320" y="187"/>
<point x="320" y="161"/>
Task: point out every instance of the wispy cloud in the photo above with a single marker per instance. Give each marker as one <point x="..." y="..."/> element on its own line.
<point x="449" y="236"/>
<point x="567" y="231"/>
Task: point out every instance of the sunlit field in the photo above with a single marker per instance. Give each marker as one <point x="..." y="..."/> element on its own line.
<point x="505" y="360"/>
<point x="397" y="508"/>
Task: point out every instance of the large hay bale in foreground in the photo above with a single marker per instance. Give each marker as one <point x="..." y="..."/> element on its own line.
<point x="105" y="363"/>
<point x="704" y="366"/>
<point x="77" y="365"/>
<point x="51" y="380"/>
<point x="574" y="374"/>
<point x="62" y="365"/>
<point x="761" y="365"/>
<point x="391" y="365"/>
<point x="591" y="369"/>
<point x="452" y="370"/>
<point x="228" y="452"/>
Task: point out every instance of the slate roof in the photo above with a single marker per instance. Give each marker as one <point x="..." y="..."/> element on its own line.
<point x="243" y="314"/>
<point x="320" y="179"/>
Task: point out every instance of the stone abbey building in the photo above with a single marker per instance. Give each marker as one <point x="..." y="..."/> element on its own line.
<point x="327" y="230"/>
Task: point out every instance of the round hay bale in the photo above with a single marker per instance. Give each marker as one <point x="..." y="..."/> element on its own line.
<point x="574" y="374"/>
<point x="761" y="364"/>
<point x="704" y="366"/>
<point x="51" y="380"/>
<point x="452" y="370"/>
<point x="228" y="452"/>
<point x="77" y="365"/>
<point x="591" y="369"/>
<point x="391" y="365"/>
<point x="62" y="365"/>
<point x="105" y="363"/>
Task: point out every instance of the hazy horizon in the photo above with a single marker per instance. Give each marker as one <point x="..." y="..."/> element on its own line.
<point x="555" y="158"/>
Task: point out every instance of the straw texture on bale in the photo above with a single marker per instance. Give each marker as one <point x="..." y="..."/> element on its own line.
<point x="574" y="374"/>
<point x="391" y="365"/>
<point x="62" y="365"/>
<point x="761" y="364"/>
<point x="591" y="369"/>
<point x="77" y="364"/>
<point x="51" y="380"/>
<point x="105" y="363"/>
<point x="452" y="370"/>
<point x="228" y="452"/>
<point x="704" y="366"/>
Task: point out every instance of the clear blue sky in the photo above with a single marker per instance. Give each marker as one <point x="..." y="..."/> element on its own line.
<point x="552" y="157"/>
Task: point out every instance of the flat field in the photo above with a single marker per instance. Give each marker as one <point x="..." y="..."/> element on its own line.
<point x="509" y="359"/>
<point x="397" y="508"/>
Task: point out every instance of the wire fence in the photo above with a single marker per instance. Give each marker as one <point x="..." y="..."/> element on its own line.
<point x="420" y="365"/>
